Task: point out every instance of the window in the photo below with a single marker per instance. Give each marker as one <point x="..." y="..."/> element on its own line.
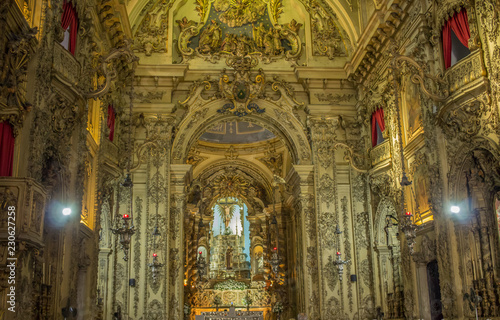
<point x="456" y="36"/>
<point x="69" y="22"/>
<point x="378" y="126"/>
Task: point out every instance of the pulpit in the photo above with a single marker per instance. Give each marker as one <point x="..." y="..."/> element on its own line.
<point x="231" y="314"/>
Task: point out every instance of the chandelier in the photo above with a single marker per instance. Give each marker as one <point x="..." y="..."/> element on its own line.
<point x="338" y="261"/>
<point x="156" y="265"/>
<point x="407" y="226"/>
<point x="201" y="264"/>
<point x="275" y="260"/>
<point x="127" y="229"/>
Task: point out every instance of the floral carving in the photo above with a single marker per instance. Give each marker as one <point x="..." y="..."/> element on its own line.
<point x="152" y="34"/>
<point x="326" y="189"/>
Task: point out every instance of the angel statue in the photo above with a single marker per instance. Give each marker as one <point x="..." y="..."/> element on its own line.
<point x="294" y="26"/>
<point x="210" y="38"/>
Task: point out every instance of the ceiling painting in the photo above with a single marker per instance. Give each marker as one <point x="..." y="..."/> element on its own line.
<point x="239" y="28"/>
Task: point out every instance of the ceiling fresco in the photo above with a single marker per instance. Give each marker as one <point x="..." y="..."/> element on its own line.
<point x="239" y="28"/>
<point x="270" y="30"/>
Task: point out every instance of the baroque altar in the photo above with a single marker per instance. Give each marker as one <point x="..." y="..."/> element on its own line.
<point x="231" y="314"/>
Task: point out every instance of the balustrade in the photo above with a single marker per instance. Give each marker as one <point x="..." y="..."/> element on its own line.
<point x="28" y="200"/>
<point x="66" y="67"/>
<point x="465" y="73"/>
<point x="380" y="153"/>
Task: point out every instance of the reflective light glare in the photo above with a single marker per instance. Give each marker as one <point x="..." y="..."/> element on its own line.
<point x="455" y="209"/>
<point x="66" y="211"/>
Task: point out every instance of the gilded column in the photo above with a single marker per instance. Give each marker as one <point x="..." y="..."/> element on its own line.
<point x="180" y="176"/>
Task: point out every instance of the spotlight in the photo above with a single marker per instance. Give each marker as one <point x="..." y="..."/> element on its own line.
<point x="66" y="211"/>
<point x="455" y="209"/>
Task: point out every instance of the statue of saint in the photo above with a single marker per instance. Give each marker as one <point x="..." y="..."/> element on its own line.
<point x="268" y="42"/>
<point x="229" y="258"/>
<point x="227" y="216"/>
<point x="258" y="34"/>
<point x="277" y="42"/>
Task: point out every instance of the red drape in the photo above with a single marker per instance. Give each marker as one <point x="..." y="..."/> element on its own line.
<point x="111" y="122"/>
<point x="447" y="45"/>
<point x="70" y="20"/>
<point x="377" y="118"/>
<point x="459" y="23"/>
<point x="6" y="149"/>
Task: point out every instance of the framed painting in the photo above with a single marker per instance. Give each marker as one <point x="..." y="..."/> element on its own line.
<point x="421" y="194"/>
<point x="412" y="110"/>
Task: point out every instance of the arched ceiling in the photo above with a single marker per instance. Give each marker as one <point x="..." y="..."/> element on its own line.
<point x="345" y="10"/>
<point x="234" y="132"/>
<point x="328" y="28"/>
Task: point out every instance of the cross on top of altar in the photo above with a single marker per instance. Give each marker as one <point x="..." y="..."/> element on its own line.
<point x="232" y="314"/>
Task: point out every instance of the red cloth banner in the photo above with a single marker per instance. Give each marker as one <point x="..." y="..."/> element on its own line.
<point x="6" y="149"/>
<point x="377" y="118"/>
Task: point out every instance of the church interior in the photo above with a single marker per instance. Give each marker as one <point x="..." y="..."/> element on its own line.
<point x="249" y="159"/>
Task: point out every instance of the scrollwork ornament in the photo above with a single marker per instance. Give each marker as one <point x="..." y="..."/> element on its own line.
<point x="326" y="189"/>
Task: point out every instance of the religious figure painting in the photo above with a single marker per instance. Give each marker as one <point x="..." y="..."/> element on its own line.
<point x="421" y="187"/>
<point x="413" y="110"/>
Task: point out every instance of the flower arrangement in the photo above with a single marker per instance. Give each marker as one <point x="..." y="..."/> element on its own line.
<point x="278" y="307"/>
<point x="231" y="285"/>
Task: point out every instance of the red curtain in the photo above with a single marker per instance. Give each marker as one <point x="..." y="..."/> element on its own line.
<point x="447" y="45"/>
<point x="377" y="118"/>
<point x="111" y="122"/>
<point x="70" y="20"/>
<point x="6" y="149"/>
<point x="459" y="23"/>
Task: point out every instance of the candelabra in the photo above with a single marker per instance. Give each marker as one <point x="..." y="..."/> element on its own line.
<point x="339" y="262"/>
